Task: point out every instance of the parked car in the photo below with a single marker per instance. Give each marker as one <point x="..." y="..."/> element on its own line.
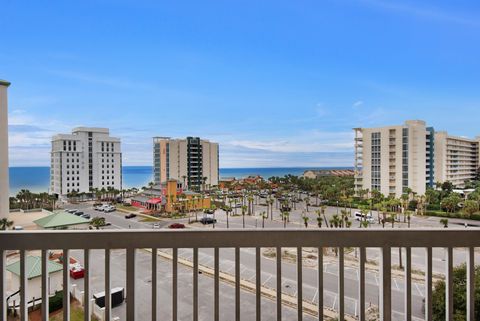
<point x="87" y="216"/>
<point x="361" y="217"/>
<point x="129" y="216"/>
<point x="209" y="211"/>
<point x="176" y="226"/>
<point x="79" y="213"/>
<point x="71" y="211"/>
<point x="156" y="225"/>
<point x="77" y="271"/>
<point x="208" y="220"/>
<point x="109" y="209"/>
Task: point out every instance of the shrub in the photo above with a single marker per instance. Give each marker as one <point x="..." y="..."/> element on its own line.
<point x="55" y="302"/>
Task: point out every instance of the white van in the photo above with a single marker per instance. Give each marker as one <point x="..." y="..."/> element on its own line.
<point x="361" y="217"/>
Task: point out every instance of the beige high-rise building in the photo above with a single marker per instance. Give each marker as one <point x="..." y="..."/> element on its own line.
<point x="456" y="158"/>
<point x="394" y="158"/>
<point x="4" y="179"/>
<point x="391" y="159"/>
<point x="192" y="161"/>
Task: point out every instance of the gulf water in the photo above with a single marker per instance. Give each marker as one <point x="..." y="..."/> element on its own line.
<point x="36" y="179"/>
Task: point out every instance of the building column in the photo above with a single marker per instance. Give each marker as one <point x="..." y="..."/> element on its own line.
<point x="4" y="180"/>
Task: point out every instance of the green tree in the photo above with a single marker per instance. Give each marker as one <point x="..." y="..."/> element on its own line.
<point x="5" y="223"/>
<point x="97" y="222"/>
<point x="470" y="207"/>
<point x="459" y="297"/>
<point x="451" y="202"/>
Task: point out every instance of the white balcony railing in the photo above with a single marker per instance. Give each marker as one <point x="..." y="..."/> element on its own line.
<point x="131" y="241"/>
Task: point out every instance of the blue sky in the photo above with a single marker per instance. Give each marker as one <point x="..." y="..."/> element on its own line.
<point x="276" y="83"/>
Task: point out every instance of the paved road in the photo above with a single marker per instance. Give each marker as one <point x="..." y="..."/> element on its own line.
<point x="289" y="270"/>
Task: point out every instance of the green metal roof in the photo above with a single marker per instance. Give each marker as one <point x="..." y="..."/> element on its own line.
<point x="34" y="267"/>
<point x="60" y="219"/>
<point x="4" y="83"/>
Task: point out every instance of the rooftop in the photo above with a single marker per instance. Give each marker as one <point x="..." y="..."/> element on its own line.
<point x="34" y="267"/>
<point x="60" y="219"/>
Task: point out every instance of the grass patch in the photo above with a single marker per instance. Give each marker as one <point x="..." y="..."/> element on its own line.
<point x="149" y="219"/>
<point x="76" y="314"/>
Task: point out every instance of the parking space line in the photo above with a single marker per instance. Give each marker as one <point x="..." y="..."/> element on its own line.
<point x="418" y="289"/>
<point x="268" y="279"/>
<point x="315" y="296"/>
<point x="334" y="302"/>
<point x="396" y="284"/>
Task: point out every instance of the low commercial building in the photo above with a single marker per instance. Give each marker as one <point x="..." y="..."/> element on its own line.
<point x="313" y="174"/>
<point x="170" y="197"/>
<point x="62" y="220"/>
<point x="33" y="265"/>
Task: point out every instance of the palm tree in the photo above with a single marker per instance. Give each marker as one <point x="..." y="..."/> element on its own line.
<point x="305" y="220"/>
<point x="97" y="222"/>
<point x="244" y="210"/>
<point x="5" y="224"/>
<point x="264" y="216"/>
<point x="227" y="211"/>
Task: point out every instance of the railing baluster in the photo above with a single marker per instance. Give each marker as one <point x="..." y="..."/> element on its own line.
<point x="279" y="283"/>
<point x="3" y="288"/>
<point x="408" y="284"/>
<point x="217" y="285"/>
<point x="108" y="295"/>
<point x="131" y="253"/>
<point x="86" y="285"/>
<point x="258" y="283"/>
<point x="361" y="280"/>
<point x="320" y="282"/>
<point x="449" y="284"/>
<point x="174" y="284"/>
<point x="45" y="276"/>
<point x="471" y="284"/>
<point x="23" y="287"/>
<point x="299" y="284"/>
<point x="385" y="292"/>
<point x="66" y="285"/>
<point x="154" y="283"/>
<point x="341" y="284"/>
<point x="237" y="284"/>
<point x="428" y="285"/>
<point x="195" y="284"/>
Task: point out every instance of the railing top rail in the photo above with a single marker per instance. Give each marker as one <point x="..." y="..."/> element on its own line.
<point x="122" y="239"/>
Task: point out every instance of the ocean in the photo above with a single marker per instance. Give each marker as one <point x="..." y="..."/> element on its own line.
<point x="36" y="179"/>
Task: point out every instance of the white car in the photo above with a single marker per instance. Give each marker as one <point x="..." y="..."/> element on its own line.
<point x="361" y="217"/>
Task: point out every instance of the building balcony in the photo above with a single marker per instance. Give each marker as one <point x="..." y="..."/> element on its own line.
<point x="142" y="248"/>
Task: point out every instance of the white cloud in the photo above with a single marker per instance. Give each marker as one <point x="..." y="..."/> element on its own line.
<point x="357" y="104"/>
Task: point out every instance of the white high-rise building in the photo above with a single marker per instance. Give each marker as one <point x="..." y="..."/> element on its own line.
<point x="192" y="161"/>
<point x="4" y="180"/>
<point x="84" y="160"/>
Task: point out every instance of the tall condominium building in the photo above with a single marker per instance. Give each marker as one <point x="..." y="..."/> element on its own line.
<point x="392" y="159"/>
<point x="4" y="190"/>
<point x="457" y="159"/>
<point x="84" y="160"/>
<point x="187" y="160"/>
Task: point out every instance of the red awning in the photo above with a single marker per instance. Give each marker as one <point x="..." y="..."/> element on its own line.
<point x="154" y="201"/>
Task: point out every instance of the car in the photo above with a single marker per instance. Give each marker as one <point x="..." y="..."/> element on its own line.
<point x="156" y="225"/>
<point x="71" y="211"/>
<point x="87" y="216"/>
<point x="208" y="220"/>
<point x="78" y="213"/>
<point x="129" y="216"/>
<point x="109" y="209"/>
<point x="176" y="226"/>
<point x="209" y="211"/>
<point x="361" y="217"/>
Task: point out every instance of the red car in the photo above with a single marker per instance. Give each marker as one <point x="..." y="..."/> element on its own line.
<point x="176" y="225"/>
